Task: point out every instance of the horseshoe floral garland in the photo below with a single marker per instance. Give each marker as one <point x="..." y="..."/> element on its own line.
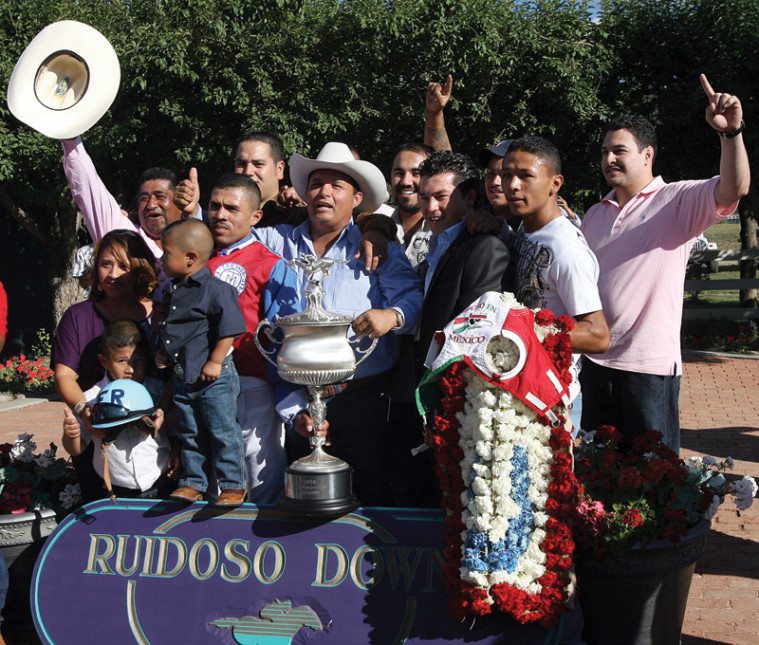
<point x="508" y="489"/>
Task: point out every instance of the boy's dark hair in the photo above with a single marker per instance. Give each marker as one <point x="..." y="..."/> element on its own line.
<point x="466" y="175"/>
<point x="120" y="334"/>
<point x="419" y="148"/>
<point x="542" y="148"/>
<point x="639" y="126"/>
<point x="275" y="143"/>
<point x="238" y="180"/>
<point x="158" y="173"/>
<point x="194" y="235"/>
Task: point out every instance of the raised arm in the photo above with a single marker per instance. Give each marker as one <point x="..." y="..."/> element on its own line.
<point x="725" y="114"/>
<point x="437" y="98"/>
<point x="100" y="210"/>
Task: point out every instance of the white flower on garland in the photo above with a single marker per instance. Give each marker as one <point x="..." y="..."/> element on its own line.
<point x="495" y="430"/>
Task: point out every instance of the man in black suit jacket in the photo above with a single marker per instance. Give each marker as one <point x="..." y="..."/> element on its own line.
<point x="461" y="266"/>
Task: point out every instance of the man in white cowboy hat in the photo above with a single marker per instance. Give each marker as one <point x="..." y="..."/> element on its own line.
<point x="386" y="303"/>
<point x="260" y="155"/>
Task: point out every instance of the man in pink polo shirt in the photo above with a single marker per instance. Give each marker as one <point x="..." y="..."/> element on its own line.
<point x="642" y="233"/>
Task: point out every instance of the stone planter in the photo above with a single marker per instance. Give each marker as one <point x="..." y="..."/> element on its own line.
<point x="640" y="598"/>
<point x="21" y="539"/>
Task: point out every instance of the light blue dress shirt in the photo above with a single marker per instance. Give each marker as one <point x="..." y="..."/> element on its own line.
<point x="439" y="244"/>
<point x="350" y="289"/>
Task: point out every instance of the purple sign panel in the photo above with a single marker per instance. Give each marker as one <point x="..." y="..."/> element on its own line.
<point x="157" y="572"/>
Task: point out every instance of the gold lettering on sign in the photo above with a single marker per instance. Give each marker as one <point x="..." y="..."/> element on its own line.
<point x="436" y="563"/>
<point x="163" y="555"/>
<point x="147" y="562"/>
<point x="240" y="560"/>
<point x="213" y="558"/>
<point x="121" y="548"/>
<point x="100" y="559"/>
<point x="279" y="562"/>
<point x="397" y="561"/>
<point x="322" y="557"/>
<point x="357" y="575"/>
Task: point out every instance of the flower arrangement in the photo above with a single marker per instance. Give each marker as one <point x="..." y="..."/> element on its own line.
<point x="507" y="486"/>
<point x="30" y="481"/>
<point x="21" y="374"/>
<point x="719" y="334"/>
<point x="646" y="492"/>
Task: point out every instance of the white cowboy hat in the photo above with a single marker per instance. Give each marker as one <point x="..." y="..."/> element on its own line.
<point x="337" y="156"/>
<point x="65" y="80"/>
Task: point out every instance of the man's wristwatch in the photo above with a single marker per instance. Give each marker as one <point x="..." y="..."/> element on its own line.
<point x="733" y="133"/>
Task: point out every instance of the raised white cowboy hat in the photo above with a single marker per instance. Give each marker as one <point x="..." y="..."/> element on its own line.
<point x="337" y="156"/>
<point x="65" y="80"/>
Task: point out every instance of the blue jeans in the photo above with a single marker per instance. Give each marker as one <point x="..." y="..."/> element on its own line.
<point x="631" y="402"/>
<point x="208" y="427"/>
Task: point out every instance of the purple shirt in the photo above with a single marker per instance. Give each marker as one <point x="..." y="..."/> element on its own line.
<point x="77" y="341"/>
<point x="642" y="251"/>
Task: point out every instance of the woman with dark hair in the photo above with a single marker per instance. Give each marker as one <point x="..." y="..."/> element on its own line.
<point x="121" y="281"/>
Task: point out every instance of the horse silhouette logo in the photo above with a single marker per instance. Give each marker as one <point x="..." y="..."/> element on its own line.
<point x="276" y="624"/>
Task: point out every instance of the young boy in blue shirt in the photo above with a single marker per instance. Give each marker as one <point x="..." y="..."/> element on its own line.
<point x="201" y="318"/>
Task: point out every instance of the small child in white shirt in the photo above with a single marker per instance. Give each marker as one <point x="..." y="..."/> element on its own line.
<point x="140" y="465"/>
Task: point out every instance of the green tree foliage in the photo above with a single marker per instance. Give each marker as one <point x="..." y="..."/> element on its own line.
<point x="195" y="73"/>
<point x="660" y="48"/>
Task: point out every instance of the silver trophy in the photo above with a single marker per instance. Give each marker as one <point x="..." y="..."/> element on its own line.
<point x="315" y="352"/>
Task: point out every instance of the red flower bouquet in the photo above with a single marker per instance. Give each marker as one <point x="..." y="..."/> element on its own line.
<point x="645" y="493"/>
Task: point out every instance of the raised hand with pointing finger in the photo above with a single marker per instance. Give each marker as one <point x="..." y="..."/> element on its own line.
<point x="724" y="111"/>
<point x="725" y="114"/>
<point x="187" y="194"/>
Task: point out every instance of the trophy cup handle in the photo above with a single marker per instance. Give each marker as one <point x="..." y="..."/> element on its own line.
<point x="267" y="328"/>
<point x="363" y="353"/>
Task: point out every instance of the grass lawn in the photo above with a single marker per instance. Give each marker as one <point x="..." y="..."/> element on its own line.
<point x="727" y="237"/>
<point x="714" y="299"/>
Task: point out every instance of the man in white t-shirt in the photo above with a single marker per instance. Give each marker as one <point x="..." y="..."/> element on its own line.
<point x="554" y="269"/>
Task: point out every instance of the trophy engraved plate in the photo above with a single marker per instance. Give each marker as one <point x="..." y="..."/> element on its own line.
<point x="315" y="351"/>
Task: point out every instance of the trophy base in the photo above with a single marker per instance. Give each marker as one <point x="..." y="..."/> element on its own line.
<point x="319" y="508"/>
<point x="319" y="494"/>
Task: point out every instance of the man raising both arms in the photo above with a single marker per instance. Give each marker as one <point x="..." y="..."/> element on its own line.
<point x="642" y="233"/>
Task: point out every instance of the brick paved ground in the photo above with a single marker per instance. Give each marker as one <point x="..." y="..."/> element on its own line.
<point x="719" y="406"/>
<point x="719" y="413"/>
